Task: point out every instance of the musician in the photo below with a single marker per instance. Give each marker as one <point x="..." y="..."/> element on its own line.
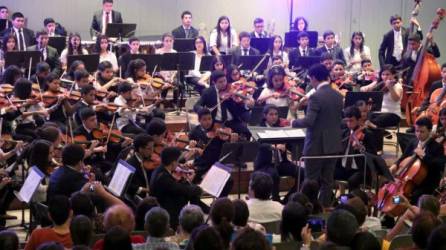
<point x="340" y="80"/>
<point x="105" y="80"/>
<point x="185" y="30"/>
<point x="259" y="29"/>
<point x="11" y="75"/>
<point x="331" y="47"/>
<point x="42" y="71"/>
<point x="199" y="80"/>
<point x="327" y="60"/>
<point x="9" y="43"/>
<point x="169" y="77"/>
<point x="300" y="24"/>
<point x="435" y="85"/>
<point x="124" y="60"/>
<point x="431" y="155"/>
<point x="143" y="149"/>
<point x="356" y="53"/>
<point x="49" y="54"/>
<point x="74" y="48"/>
<point x="276" y="49"/>
<point x="53" y="29"/>
<point x="75" y="66"/>
<point x="358" y="140"/>
<point x="367" y="74"/>
<point x="103" y="48"/>
<point x="323" y="134"/>
<point x="4" y="15"/>
<point x="276" y="91"/>
<point x="438" y="131"/>
<point x="69" y="178"/>
<point x="62" y="108"/>
<point x="88" y="99"/>
<point x="244" y="49"/>
<point x="81" y="79"/>
<point x="412" y="55"/>
<point x="172" y="192"/>
<point x="41" y="155"/>
<point x="24" y="36"/>
<point x="394" y="42"/>
<point x="103" y="17"/>
<point x="223" y="37"/>
<point x="303" y="39"/>
<point x="233" y="114"/>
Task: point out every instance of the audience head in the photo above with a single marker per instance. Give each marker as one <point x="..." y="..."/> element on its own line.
<point x="205" y="237"/>
<point x="82" y="204"/>
<point x="365" y="241"/>
<point x="260" y="185"/>
<point x="117" y="238"/>
<point x="437" y="239"/>
<point x="294" y="218"/>
<point x="303" y="200"/>
<point x="9" y="240"/>
<point x="119" y="215"/>
<point x="59" y="209"/>
<point x="241" y="213"/>
<point x="311" y="189"/>
<point x="250" y="239"/>
<point x="222" y="215"/>
<point x="52" y="245"/>
<point x="81" y="230"/>
<point x="429" y="203"/>
<point x="361" y="209"/>
<point x="157" y="222"/>
<point x="141" y="209"/>
<point x="422" y="227"/>
<point x="191" y="217"/>
<point x="40" y="155"/>
<point x="341" y="227"/>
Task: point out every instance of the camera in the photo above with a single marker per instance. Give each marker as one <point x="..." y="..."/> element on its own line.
<point x="396" y="200"/>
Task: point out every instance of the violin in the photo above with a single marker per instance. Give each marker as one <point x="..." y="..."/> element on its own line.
<point x="238" y="95"/>
<point x="183" y="172"/>
<point x="218" y="131"/>
<point x="6" y="88"/>
<point x="244" y="85"/>
<point x="149" y="81"/>
<point x="153" y="162"/>
<point x="103" y="133"/>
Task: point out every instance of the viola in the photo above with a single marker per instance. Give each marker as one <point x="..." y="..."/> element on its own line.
<point x="102" y="134"/>
<point x="218" y="131"/>
<point x="149" y="81"/>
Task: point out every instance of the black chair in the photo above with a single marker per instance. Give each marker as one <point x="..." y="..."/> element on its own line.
<point x="401" y="241"/>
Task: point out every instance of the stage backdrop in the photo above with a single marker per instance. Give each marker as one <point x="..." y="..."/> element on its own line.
<point x="155" y="17"/>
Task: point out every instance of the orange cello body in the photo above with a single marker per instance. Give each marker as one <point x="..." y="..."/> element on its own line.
<point x="434" y="109"/>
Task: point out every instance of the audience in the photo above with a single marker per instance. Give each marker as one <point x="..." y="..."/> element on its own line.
<point x="365" y="241"/>
<point x="341" y="228"/>
<point x="60" y="212"/>
<point x="311" y="189"/>
<point x="222" y="215"/>
<point x="191" y="217"/>
<point x="9" y="240"/>
<point x="204" y="238"/>
<point x="81" y="230"/>
<point x="117" y="238"/>
<point x="294" y="218"/>
<point x="141" y="209"/>
<point x="422" y="227"/>
<point x="261" y="208"/>
<point x="250" y="239"/>
<point x="437" y="239"/>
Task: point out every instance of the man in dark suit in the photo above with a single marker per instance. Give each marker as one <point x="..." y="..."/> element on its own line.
<point x="4" y="15"/>
<point x="185" y="30"/>
<point x="49" y="54"/>
<point x="104" y="16"/>
<point x="304" y="49"/>
<point x="143" y="149"/>
<point x="172" y="192"/>
<point x="331" y="47"/>
<point x="259" y="29"/>
<point x="323" y="134"/>
<point x="233" y="114"/>
<point x="394" y="42"/>
<point x="431" y="155"/>
<point x="244" y="49"/>
<point x="24" y="36"/>
<point x="53" y="29"/>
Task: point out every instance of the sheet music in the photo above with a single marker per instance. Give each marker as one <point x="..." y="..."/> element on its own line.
<point x="295" y="133"/>
<point x="214" y="180"/>
<point x="272" y="134"/>
<point x="120" y="177"/>
<point x="31" y="184"/>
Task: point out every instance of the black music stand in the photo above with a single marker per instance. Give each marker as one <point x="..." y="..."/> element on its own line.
<point x="120" y="30"/>
<point x="22" y="59"/>
<point x="91" y="61"/>
<point x="183" y="61"/>
<point x="206" y="62"/>
<point x="3" y="24"/>
<point x="305" y="62"/>
<point x="249" y="62"/>
<point x="240" y="153"/>
<point x="184" y="44"/>
<point x="58" y="42"/>
<point x="153" y="62"/>
<point x="262" y="44"/>
<point x="376" y="97"/>
<point x="291" y="39"/>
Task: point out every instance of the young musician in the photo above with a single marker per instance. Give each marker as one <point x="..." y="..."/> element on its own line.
<point x="24" y="36"/>
<point x="81" y="79"/>
<point x="300" y="24"/>
<point x="124" y="60"/>
<point x="75" y="66"/>
<point x="105" y="80"/>
<point x="105" y="54"/>
<point x="304" y="49"/>
<point x="440" y="84"/>
<point x="276" y="49"/>
<point x="259" y="29"/>
<point x="244" y="49"/>
<point x="88" y="99"/>
<point x="233" y="114"/>
<point x="42" y="71"/>
<point x="276" y="91"/>
<point x="199" y="79"/>
<point x="74" y="48"/>
<point x="340" y="80"/>
<point x="367" y="75"/>
<point x="223" y="37"/>
<point x="60" y="105"/>
<point x="431" y="155"/>
<point x="103" y="17"/>
<point x="53" y="29"/>
<point x="4" y="15"/>
<point x="356" y="52"/>
<point x="9" y="43"/>
<point x="49" y="54"/>
<point x="169" y="77"/>
<point x="171" y="191"/>
<point x="327" y="60"/>
<point x="330" y="46"/>
<point x="185" y="30"/>
<point x="143" y="149"/>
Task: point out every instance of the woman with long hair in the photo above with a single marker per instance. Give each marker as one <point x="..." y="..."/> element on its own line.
<point x="223" y="37"/>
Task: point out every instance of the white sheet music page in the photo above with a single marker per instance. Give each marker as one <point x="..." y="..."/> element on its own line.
<point x="120" y="177"/>
<point x="215" y="179"/>
<point x="31" y="184"/>
<point x="295" y="133"/>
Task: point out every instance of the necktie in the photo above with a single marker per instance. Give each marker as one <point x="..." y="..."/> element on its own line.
<point x="260" y="35"/>
<point x="107" y="17"/>
<point x="21" y="42"/>
<point x="304" y="53"/>
<point x="245" y="52"/>
<point x="187" y="31"/>
<point x="330" y="51"/>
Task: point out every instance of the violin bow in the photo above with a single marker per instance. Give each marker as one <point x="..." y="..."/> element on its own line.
<point x="110" y="130"/>
<point x="29" y="67"/>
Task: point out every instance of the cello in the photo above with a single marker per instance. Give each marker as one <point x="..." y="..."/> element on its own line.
<point x="425" y="72"/>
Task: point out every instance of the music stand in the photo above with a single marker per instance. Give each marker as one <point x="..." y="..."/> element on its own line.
<point x="291" y="39"/>
<point x="206" y="62"/>
<point x="23" y="58"/>
<point x="306" y="62"/>
<point x="58" y="42"/>
<point x="3" y="24"/>
<point x="91" y="61"/>
<point x="262" y="44"/>
<point x="375" y="96"/>
<point x="249" y="62"/>
<point x="184" y="44"/>
<point x="120" y="30"/>
<point x="152" y="61"/>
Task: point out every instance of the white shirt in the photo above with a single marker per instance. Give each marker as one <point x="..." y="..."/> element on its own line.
<point x="301" y="51"/>
<point x="196" y="71"/>
<point x="64" y="55"/>
<point x="358" y="57"/>
<point x="125" y="115"/>
<point x="111" y="57"/>
<point x="224" y="40"/>
<point x="264" y="211"/>
<point x="397" y="45"/>
<point x="279" y="102"/>
<point x="391" y="106"/>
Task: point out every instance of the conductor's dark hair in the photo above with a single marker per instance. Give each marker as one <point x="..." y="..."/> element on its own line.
<point x="169" y="155"/>
<point x="424" y="122"/>
<point x="319" y="71"/>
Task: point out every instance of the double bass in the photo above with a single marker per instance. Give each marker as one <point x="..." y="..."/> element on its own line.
<point x="426" y="71"/>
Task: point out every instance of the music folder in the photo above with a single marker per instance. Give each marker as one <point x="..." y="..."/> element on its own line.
<point x="58" y="42"/>
<point x="22" y="58"/>
<point x="184" y="44"/>
<point x="120" y="30"/>
<point x="291" y="39"/>
<point x="262" y="44"/>
<point x="215" y="179"/>
<point x="121" y="178"/>
<point x="32" y="182"/>
<point x="206" y="62"/>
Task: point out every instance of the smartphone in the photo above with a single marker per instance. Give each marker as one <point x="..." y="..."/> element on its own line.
<point x="396" y="200"/>
<point x="316" y="224"/>
<point x="343" y="199"/>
